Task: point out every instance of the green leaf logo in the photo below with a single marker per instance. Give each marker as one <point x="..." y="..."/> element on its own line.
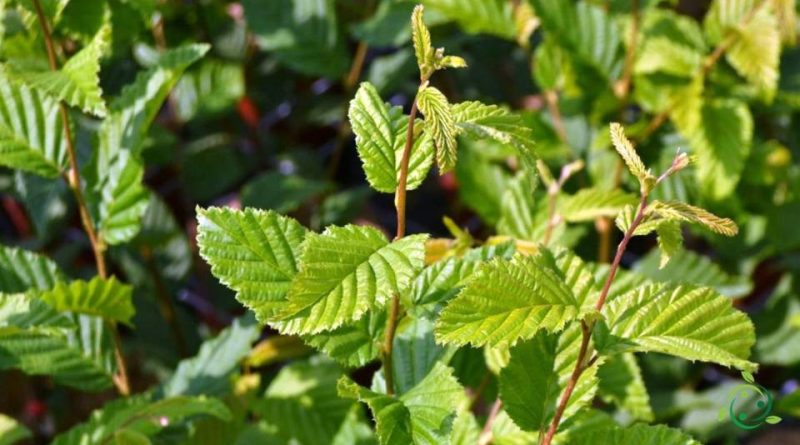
<point x="742" y="398"/>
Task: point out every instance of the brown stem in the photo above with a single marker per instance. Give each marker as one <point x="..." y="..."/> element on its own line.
<point x="486" y="434"/>
<point x="708" y="64"/>
<point x="551" y="97"/>
<point x="73" y="180"/>
<point x="586" y="329"/>
<point x="400" y="205"/>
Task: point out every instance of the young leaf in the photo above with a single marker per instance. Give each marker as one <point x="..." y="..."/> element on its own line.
<point x="439" y="126"/>
<point x="755" y="48"/>
<point x="506" y="301"/>
<point x="21" y="270"/>
<point x="481" y="121"/>
<point x="105" y="298"/>
<point x="77" y="82"/>
<point x="253" y="252"/>
<point x="31" y="131"/>
<point x="20" y="312"/>
<point x="679" y="211"/>
<point x="423" y="48"/>
<point x="632" y="160"/>
<point x="367" y="271"/>
<point x="670" y="240"/>
<point x="380" y="139"/>
<point x="685" y="321"/>
<point x="423" y="415"/>
<point x="140" y="415"/>
<point x="534" y="380"/>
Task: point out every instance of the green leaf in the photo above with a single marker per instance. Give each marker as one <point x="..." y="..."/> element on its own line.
<point x="631" y="158"/>
<point x="588" y="33"/>
<point x="213" y="87"/>
<point x="114" y="178"/>
<point x="140" y="415"/>
<point x="685" y="321"/>
<point x="535" y="378"/>
<point x="77" y="83"/>
<point x="39" y="343"/>
<point x="439" y="126"/>
<point x="422" y="416"/>
<point x="20" y="312"/>
<point x="367" y="272"/>
<point x="679" y="211"/>
<point x="353" y="344"/>
<point x="478" y="16"/>
<point x="506" y="301"/>
<point x="415" y="353"/>
<point x="12" y="431"/>
<point x="477" y="120"/>
<point x="423" y="48"/>
<point x="130" y="437"/>
<point x="279" y="192"/>
<point x="380" y="139"/>
<point x="591" y="203"/>
<point x="756" y="46"/>
<point x="621" y="383"/>
<point x="689" y="267"/>
<point x="210" y="370"/>
<point x="21" y="270"/>
<point x="105" y="298"/>
<point x="443" y="280"/>
<point x="721" y="133"/>
<point x="302" y="405"/>
<point x="522" y="215"/>
<point x="302" y="34"/>
<point x="773" y="420"/>
<point x="31" y="131"/>
<point x="671" y="44"/>
<point x="253" y="252"/>
<point x="637" y="434"/>
<point x="670" y="240"/>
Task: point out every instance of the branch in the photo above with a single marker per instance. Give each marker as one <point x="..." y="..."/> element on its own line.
<point x="586" y="329"/>
<point x="708" y="64"/>
<point x="400" y="205"/>
<point x="73" y="180"/>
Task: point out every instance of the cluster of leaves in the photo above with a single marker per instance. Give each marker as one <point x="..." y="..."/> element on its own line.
<point x="510" y="335"/>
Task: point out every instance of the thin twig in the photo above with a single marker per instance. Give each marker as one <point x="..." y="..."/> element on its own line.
<point x="586" y="328"/>
<point x="551" y="98"/>
<point x="708" y="64"/>
<point x="400" y="205"/>
<point x="73" y="180"/>
<point x="485" y="437"/>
